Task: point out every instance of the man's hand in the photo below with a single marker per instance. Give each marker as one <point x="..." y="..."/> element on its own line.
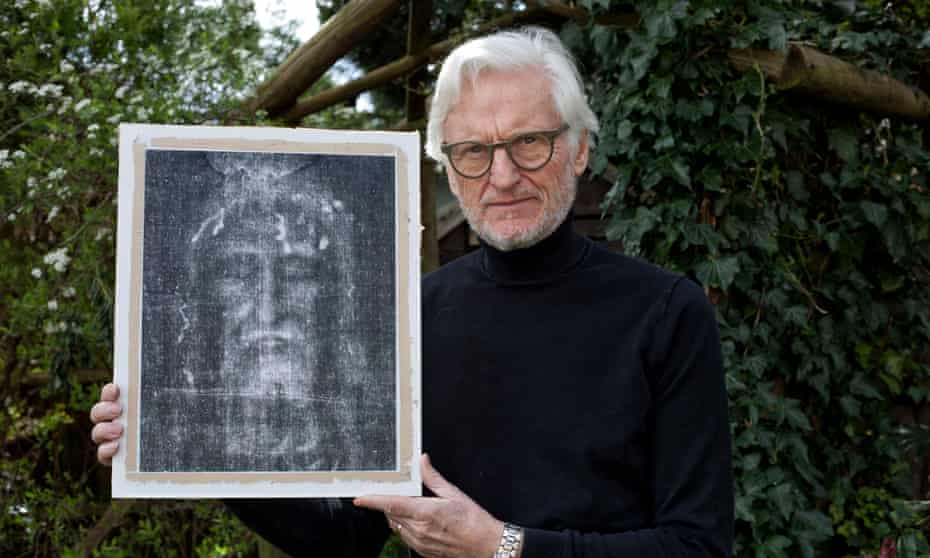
<point x="451" y="525"/>
<point x="106" y="434"/>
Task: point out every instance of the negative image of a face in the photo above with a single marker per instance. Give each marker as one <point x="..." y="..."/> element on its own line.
<point x="261" y="260"/>
<point x="266" y="317"/>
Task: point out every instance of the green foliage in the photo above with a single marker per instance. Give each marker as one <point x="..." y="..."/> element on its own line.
<point x="70" y="72"/>
<point x="808" y="225"/>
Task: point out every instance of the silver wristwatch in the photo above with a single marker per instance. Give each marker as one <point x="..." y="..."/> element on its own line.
<point x="511" y="539"/>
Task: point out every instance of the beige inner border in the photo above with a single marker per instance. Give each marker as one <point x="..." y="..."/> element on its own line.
<point x="405" y="425"/>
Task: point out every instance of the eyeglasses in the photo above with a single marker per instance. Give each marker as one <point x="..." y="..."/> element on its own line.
<point x="529" y="151"/>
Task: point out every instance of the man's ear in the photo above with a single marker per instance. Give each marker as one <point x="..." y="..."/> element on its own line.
<point x="581" y="156"/>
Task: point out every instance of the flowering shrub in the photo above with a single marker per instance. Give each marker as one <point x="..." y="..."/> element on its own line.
<point x="73" y="70"/>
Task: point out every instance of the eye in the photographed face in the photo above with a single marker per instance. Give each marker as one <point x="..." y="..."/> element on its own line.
<point x="472" y="150"/>
<point x="237" y="274"/>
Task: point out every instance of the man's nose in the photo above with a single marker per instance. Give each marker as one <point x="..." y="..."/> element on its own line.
<point x="268" y="294"/>
<point x="504" y="174"/>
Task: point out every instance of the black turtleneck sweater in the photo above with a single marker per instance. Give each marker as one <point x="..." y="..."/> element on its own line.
<point x="573" y="391"/>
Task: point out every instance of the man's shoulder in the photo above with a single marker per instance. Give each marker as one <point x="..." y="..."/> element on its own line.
<point x="451" y="275"/>
<point x="618" y="267"/>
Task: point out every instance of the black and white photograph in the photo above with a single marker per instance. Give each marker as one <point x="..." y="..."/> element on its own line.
<point x="268" y="314"/>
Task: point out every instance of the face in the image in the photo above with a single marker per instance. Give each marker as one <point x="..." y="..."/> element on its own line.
<point x="261" y="264"/>
<point x="510" y="207"/>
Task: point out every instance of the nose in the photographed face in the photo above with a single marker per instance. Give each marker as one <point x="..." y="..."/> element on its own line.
<point x="503" y="174"/>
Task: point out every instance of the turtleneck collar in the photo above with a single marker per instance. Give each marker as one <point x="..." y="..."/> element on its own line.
<point x="544" y="261"/>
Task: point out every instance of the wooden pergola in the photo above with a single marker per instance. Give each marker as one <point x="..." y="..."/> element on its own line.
<point x="802" y="69"/>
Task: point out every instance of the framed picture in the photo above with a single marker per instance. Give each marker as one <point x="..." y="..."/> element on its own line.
<point x="267" y="331"/>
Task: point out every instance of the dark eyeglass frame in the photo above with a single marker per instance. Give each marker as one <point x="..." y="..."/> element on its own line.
<point x="447" y="148"/>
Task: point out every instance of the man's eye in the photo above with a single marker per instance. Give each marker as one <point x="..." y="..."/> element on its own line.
<point x="474" y="149"/>
<point x="527" y="140"/>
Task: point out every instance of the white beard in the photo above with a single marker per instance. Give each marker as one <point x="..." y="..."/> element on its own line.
<point x="552" y="217"/>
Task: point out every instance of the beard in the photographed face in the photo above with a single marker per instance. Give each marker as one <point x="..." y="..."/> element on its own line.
<point x="505" y="236"/>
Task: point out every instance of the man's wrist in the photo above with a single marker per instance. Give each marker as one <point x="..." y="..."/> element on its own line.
<point x="511" y="545"/>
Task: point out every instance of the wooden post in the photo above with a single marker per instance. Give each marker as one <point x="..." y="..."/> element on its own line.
<point x="418" y="39"/>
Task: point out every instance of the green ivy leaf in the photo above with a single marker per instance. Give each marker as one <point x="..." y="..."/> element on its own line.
<point x="797" y="315"/>
<point x="624" y="130"/>
<point x="718" y="272"/>
<point x="844" y="142"/>
<point x="874" y="213"/>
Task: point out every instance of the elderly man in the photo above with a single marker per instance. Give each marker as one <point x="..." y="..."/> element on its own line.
<point x="573" y="398"/>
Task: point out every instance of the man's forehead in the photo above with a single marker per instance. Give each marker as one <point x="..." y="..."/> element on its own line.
<point x="507" y="100"/>
<point x="259" y="224"/>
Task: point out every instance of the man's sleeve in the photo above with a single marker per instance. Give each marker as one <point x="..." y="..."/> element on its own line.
<point x="330" y="527"/>
<point x="692" y="484"/>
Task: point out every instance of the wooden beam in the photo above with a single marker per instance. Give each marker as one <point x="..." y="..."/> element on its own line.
<point x="407" y="64"/>
<point x="815" y="74"/>
<point x="418" y="40"/>
<point x="311" y="60"/>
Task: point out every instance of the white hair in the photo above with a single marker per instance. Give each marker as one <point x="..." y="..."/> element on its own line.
<point x="530" y="47"/>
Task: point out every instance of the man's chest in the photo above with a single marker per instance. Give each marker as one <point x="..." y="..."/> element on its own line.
<point x="524" y="392"/>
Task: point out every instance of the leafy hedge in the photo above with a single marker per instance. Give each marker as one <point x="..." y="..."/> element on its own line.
<point x="70" y="71"/>
<point x="808" y="224"/>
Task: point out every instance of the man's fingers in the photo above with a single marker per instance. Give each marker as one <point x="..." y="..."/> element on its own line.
<point x="397" y="506"/>
<point x="106" y="432"/>
<point x="105" y="411"/>
<point x="106" y="451"/>
<point x="109" y="392"/>
<point x="436" y="482"/>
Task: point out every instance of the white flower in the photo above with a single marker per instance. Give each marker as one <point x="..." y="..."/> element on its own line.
<point x="11" y="217"/>
<point x="57" y="174"/>
<point x="96" y="151"/>
<point x="897" y="177"/>
<point x="52" y="327"/>
<point x="19" y="154"/>
<point x="65" y="67"/>
<point x="68" y="292"/>
<point x="58" y="259"/>
<point x="121" y="91"/>
<point x="913" y="170"/>
<point x="115" y="118"/>
<point x="30" y="182"/>
<point x="93" y="127"/>
<point x="50" y="90"/>
<point x="81" y="105"/>
<point x="53" y="304"/>
<point x="4" y="154"/>
<point x="36" y="272"/>
<point x="101" y="232"/>
<point x="21" y="87"/>
<point x="52" y="214"/>
<point x="884" y="124"/>
<point x="142" y="114"/>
